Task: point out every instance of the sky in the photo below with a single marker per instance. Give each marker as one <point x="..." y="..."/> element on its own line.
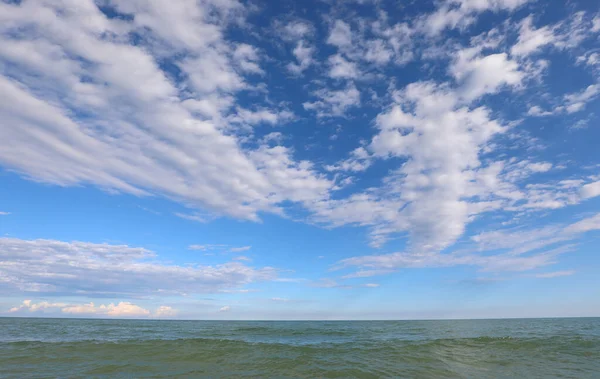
<point x="326" y="159"/>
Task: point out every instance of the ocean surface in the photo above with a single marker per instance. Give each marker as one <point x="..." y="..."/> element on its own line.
<point x="78" y="348"/>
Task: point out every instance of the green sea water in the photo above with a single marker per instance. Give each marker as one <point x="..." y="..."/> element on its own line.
<point x="77" y="348"/>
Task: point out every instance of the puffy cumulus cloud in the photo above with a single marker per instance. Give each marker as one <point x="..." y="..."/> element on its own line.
<point x="426" y="196"/>
<point x="334" y="102"/>
<point x="590" y="190"/>
<point x="30" y="306"/>
<point x="441" y="184"/>
<point x="365" y="47"/>
<point x="496" y="251"/>
<point x="146" y="130"/>
<point x="225" y="308"/>
<point x="439" y="133"/>
<point x="120" y="310"/>
<point x="359" y="160"/>
<point x="340" y="35"/>
<point x="298" y="33"/>
<point x="340" y="68"/>
<point x="90" y="269"/>
<point x="304" y="56"/>
<point x="165" y="311"/>
<point x="260" y="116"/>
<point x="479" y="75"/>
<point x="452" y="14"/>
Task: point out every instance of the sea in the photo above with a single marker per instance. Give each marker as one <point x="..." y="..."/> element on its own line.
<point x="508" y="348"/>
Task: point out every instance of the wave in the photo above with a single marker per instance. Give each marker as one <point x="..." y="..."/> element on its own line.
<point x="450" y="357"/>
<point x="554" y="341"/>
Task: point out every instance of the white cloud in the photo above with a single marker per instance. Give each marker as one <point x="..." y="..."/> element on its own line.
<point x="179" y="132"/>
<point x="240" y="249"/>
<point x="299" y="33"/>
<point x="30" y="306"/>
<point x="328" y="283"/>
<point x="584" y="226"/>
<point x="566" y="34"/>
<point x="340" y="35"/>
<point x="495" y="263"/>
<point x="575" y="102"/>
<point x="193" y="217"/>
<point x="442" y="185"/>
<point x="443" y="143"/>
<point x="91" y="269"/>
<point x="539" y="166"/>
<point x="293" y="31"/>
<point x="462" y="13"/>
<point x="378" y="52"/>
<point x="4" y="213"/>
<point x="530" y="39"/>
<point x="368" y="273"/>
<point x="260" y="116"/>
<point x="590" y="190"/>
<point x="165" y="311"/>
<point x="226" y="308"/>
<point x="572" y="102"/>
<point x="207" y="247"/>
<point x="120" y="310"/>
<point x="148" y="134"/>
<point x="304" y="56"/>
<point x="479" y="75"/>
<point x="537" y="111"/>
<point x="340" y="68"/>
<point x="334" y="102"/>
<point x="590" y="59"/>
<point x="496" y="251"/>
<point x="555" y="274"/>
<point x="372" y="285"/>
<point x="596" y="24"/>
<point x="247" y="58"/>
<point x="280" y="299"/>
<point x="242" y="258"/>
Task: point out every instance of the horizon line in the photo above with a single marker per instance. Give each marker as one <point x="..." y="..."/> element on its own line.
<point x="299" y="320"/>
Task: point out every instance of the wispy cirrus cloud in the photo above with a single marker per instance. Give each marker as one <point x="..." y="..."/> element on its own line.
<point x="93" y="269"/>
<point x="555" y="274"/>
<point x="146" y="136"/>
<point x="494" y="251"/>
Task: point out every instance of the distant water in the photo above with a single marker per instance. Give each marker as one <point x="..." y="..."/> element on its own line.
<point x="526" y="348"/>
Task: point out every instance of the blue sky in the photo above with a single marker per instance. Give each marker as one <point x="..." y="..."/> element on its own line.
<point x="358" y="159"/>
